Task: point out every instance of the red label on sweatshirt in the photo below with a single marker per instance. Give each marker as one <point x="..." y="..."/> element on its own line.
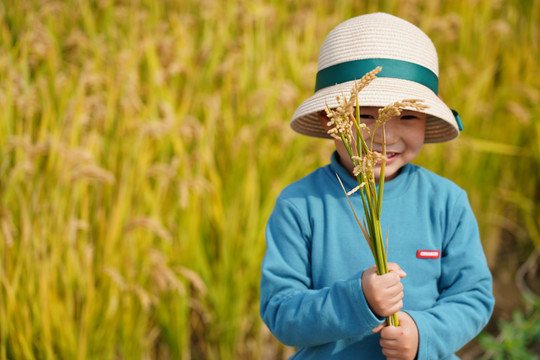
<point x="428" y="254"/>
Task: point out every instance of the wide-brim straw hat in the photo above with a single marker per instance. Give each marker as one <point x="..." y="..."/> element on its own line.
<point x="410" y="70"/>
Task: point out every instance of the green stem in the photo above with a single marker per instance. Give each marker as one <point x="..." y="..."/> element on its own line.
<point x="371" y="198"/>
<point x="381" y="175"/>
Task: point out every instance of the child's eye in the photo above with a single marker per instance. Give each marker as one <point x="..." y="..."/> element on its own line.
<point x="366" y="116"/>
<point x="409" y="117"/>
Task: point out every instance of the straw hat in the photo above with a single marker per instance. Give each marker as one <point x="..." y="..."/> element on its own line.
<point x="410" y="70"/>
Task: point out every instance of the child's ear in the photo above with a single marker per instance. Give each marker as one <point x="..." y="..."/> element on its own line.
<point x="323" y="119"/>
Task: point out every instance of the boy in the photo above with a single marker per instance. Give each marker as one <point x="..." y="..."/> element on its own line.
<point x="319" y="289"/>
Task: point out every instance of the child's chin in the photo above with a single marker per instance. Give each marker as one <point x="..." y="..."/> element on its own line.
<point x="390" y="172"/>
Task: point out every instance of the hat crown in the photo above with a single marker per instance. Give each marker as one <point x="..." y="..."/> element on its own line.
<point x="376" y="36"/>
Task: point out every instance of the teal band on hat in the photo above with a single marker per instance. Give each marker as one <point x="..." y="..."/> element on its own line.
<point x="391" y="68"/>
<point x="458" y="119"/>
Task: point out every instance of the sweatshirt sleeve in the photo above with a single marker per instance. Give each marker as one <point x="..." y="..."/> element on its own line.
<point x="466" y="302"/>
<point x="295" y="313"/>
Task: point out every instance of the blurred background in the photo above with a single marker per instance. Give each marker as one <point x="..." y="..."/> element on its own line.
<point x="143" y="144"/>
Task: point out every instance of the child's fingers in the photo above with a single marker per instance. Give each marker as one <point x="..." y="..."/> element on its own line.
<point x="383" y="293"/>
<point x="397" y="269"/>
<point x="386" y="287"/>
<point x="392" y="289"/>
<point x="393" y="307"/>
<point x="401" y="342"/>
<point x="397" y="299"/>
<point x="387" y="281"/>
<point x="390" y="335"/>
<point x="391" y="354"/>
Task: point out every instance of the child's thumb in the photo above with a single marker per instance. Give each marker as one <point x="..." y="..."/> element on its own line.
<point x="379" y="328"/>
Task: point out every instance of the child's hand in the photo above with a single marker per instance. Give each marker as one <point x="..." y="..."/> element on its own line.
<point x="401" y="342"/>
<point x="384" y="293"/>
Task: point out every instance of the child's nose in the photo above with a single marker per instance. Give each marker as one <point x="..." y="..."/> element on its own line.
<point x="391" y="131"/>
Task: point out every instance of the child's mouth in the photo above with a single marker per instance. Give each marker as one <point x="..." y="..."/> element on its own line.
<point x="390" y="156"/>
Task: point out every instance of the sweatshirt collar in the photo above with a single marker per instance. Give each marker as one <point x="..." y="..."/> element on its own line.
<point x="392" y="188"/>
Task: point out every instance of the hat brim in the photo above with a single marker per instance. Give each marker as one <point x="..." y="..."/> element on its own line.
<point x="440" y="122"/>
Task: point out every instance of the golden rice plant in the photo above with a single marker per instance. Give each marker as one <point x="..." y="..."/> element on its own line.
<point x="345" y="126"/>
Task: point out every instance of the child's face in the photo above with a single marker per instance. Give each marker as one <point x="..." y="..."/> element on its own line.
<point x="404" y="139"/>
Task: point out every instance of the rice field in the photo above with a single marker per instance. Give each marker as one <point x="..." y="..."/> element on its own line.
<point x="143" y="143"/>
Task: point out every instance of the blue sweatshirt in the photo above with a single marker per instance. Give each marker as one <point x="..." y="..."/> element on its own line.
<point x="311" y="291"/>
